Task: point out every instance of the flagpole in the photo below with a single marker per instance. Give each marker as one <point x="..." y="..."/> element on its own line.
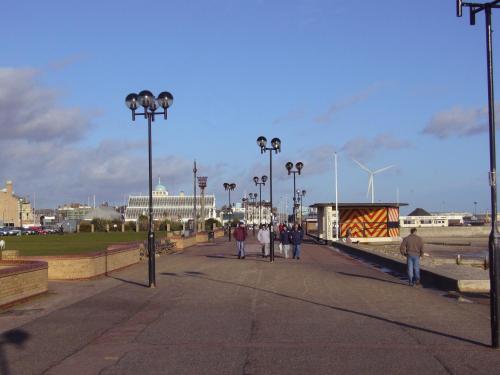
<point x="336" y="202"/>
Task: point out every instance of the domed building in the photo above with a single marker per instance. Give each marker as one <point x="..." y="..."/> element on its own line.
<point x="165" y="206"/>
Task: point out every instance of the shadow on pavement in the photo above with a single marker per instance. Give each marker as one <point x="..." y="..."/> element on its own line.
<point x="128" y="281"/>
<point x="369" y="277"/>
<point x="15" y="337"/>
<point x="354" y="312"/>
<point x="254" y="257"/>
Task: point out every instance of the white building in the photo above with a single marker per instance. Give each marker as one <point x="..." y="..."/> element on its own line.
<point x="421" y="218"/>
<point x="172" y="207"/>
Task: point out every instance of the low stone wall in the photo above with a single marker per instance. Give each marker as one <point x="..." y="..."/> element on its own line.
<point x="201" y="237"/>
<point x="472" y="231"/>
<point x="86" y="266"/>
<point x="20" y="279"/>
<point x="219" y="232"/>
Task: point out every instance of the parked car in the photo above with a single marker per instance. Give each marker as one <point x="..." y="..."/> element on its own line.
<point x="15" y="232"/>
<point x="39" y="230"/>
<point x="4" y="231"/>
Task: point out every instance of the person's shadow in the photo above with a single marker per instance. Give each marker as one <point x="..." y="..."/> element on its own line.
<point x="15" y="337"/>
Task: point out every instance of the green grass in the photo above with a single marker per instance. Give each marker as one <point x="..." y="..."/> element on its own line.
<point x="72" y="243"/>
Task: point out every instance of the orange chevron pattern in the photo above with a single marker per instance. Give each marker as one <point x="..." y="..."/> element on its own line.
<point x="393" y="214"/>
<point x="366" y="222"/>
<point x="394" y="232"/>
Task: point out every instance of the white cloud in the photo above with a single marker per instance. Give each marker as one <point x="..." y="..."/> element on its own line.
<point x="30" y="111"/>
<point x="344" y="103"/>
<point x="363" y="148"/>
<point x="459" y="122"/>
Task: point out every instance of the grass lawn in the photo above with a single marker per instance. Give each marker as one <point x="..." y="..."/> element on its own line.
<point x="70" y="243"/>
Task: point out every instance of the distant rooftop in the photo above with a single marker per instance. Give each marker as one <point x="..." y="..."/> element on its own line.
<point x="344" y="205"/>
<point x="419" y="212"/>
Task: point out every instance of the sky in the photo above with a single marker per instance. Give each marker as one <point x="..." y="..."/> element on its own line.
<point x="394" y="83"/>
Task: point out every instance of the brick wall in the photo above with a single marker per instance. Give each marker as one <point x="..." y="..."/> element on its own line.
<point x="86" y="266"/>
<point x="22" y="279"/>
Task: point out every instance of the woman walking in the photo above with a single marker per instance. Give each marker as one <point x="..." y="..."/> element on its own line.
<point x="265" y="239"/>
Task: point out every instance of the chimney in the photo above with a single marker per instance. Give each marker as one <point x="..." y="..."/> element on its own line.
<point x="9" y="187"/>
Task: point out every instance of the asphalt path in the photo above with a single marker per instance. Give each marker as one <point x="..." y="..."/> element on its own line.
<point x="212" y="313"/>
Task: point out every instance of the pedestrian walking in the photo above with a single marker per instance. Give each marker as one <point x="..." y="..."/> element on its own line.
<point x="296" y="237"/>
<point x="264" y="239"/>
<point x="285" y="241"/>
<point x="412" y="248"/>
<point x="240" y="235"/>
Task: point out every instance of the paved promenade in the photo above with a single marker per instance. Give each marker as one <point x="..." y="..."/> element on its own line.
<point x="214" y="314"/>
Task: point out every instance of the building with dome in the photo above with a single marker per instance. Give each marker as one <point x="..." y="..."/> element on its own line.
<point x="166" y="206"/>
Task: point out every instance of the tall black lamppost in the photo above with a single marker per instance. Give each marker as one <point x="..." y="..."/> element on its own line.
<point x="253" y="199"/>
<point x="262" y="182"/>
<point x="229" y="187"/>
<point x="300" y="197"/>
<point x="195" y="214"/>
<point x="150" y="104"/>
<point x="494" y="241"/>
<point x="298" y="167"/>
<point x="202" y="183"/>
<point x="276" y="147"/>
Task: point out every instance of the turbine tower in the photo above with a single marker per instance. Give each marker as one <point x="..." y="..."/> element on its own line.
<point x="371" y="184"/>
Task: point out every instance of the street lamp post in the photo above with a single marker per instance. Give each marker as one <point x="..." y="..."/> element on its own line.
<point x="195" y="215"/>
<point x="262" y="182"/>
<point x="229" y="187"/>
<point x="202" y="183"/>
<point x="253" y="198"/>
<point x="494" y="240"/>
<point x="150" y="104"/>
<point x="276" y="147"/>
<point x="298" y="167"/>
<point x="300" y="196"/>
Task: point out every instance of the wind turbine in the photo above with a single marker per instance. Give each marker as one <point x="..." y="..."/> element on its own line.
<point x="371" y="184"/>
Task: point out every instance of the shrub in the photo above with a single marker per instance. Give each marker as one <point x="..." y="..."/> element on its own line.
<point x="85" y="226"/>
<point x="130" y="226"/>
<point x="143" y="223"/>
<point x="212" y="223"/>
<point x="99" y="224"/>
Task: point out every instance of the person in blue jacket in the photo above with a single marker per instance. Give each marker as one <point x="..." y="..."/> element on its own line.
<point x="296" y="237"/>
<point x="285" y="240"/>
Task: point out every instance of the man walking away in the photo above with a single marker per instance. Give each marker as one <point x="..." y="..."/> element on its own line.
<point x="412" y="248"/>
<point x="265" y="239"/>
<point x="285" y="241"/>
<point x="240" y="235"/>
<point x="296" y="237"/>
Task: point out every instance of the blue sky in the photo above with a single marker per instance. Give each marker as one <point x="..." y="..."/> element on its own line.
<point x="395" y="83"/>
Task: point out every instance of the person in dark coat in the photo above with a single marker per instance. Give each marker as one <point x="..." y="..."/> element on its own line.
<point x="412" y="248"/>
<point x="285" y="240"/>
<point x="296" y="237"/>
<point x="240" y="235"/>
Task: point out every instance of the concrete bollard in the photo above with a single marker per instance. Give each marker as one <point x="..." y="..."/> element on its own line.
<point x="91" y="228"/>
<point x="123" y="228"/>
<point x="137" y="226"/>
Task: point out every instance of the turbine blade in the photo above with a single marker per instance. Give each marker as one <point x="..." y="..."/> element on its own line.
<point x="362" y="166"/>
<point x="370" y="185"/>
<point x="383" y="169"/>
